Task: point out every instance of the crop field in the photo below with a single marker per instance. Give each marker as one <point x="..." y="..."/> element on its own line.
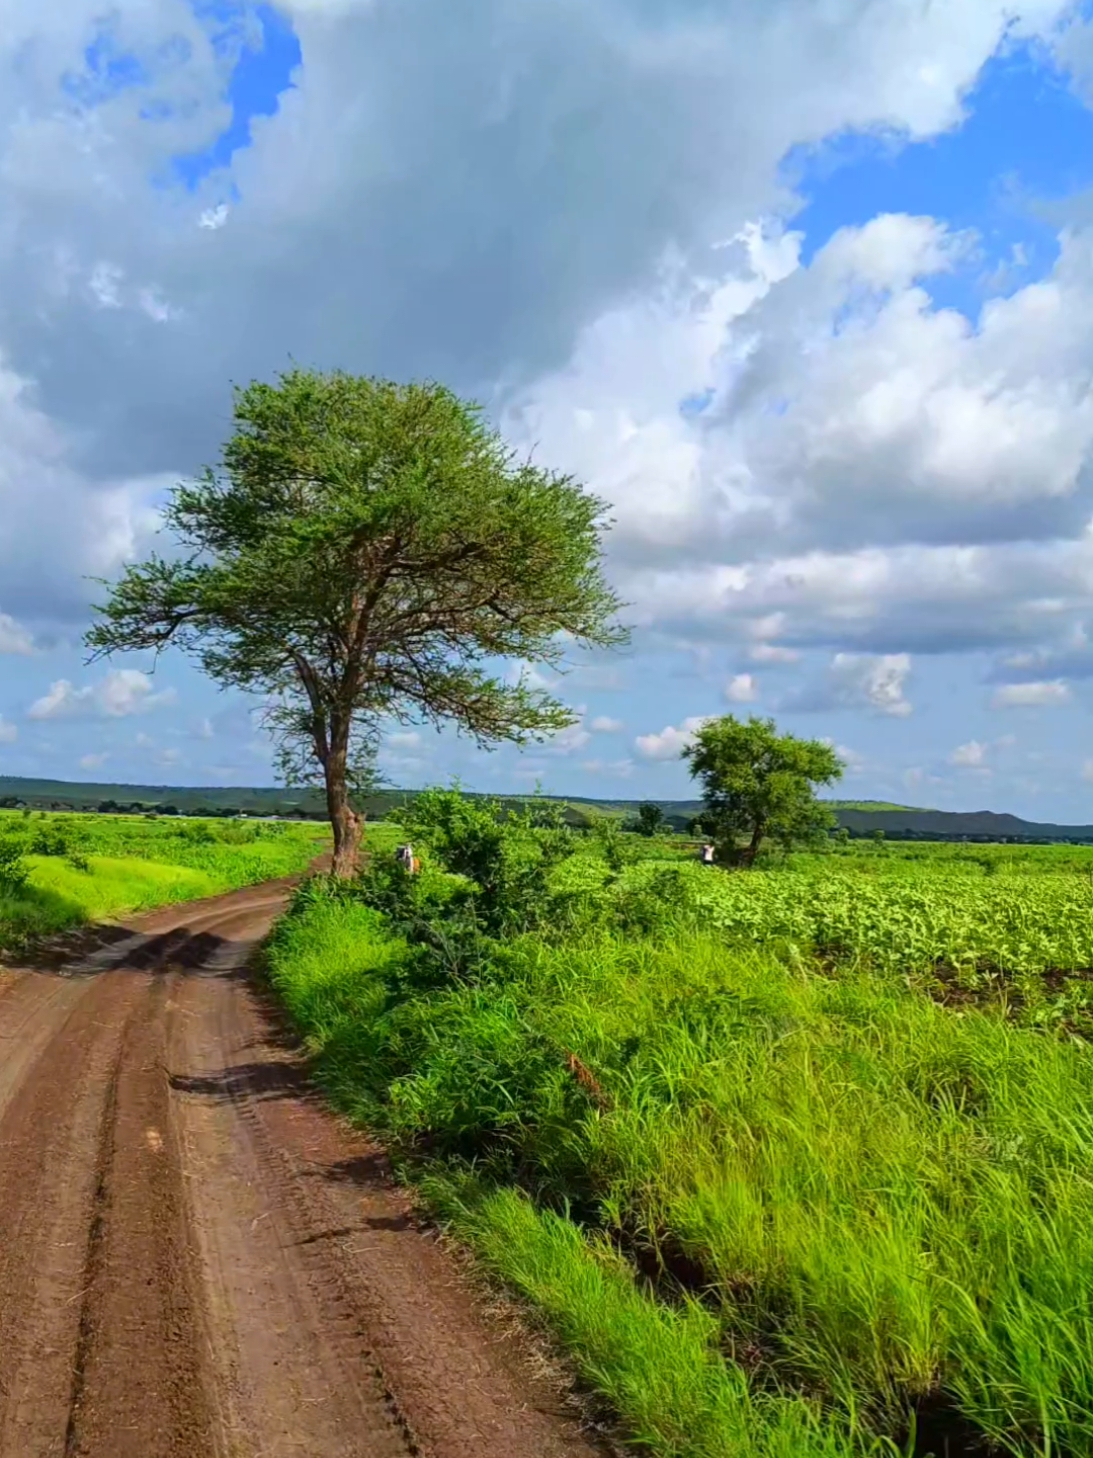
<point x="59" y="871"/>
<point x="796" y="1161"/>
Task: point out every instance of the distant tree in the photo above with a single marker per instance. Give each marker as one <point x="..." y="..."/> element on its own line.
<point x="759" y="785"/>
<point x="370" y="550"/>
<point x="650" y="819"/>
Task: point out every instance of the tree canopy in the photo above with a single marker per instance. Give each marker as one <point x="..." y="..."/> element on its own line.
<point x="759" y="785"/>
<point x="371" y="551"/>
<point x="651" y="819"/>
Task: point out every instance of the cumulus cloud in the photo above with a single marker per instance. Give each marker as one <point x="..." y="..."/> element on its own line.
<point x="93" y="761"/>
<point x="58" y="530"/>
<point x="8" y="731"/>
<point x="867" y="471"/>
<point x="854" y="762"/>
<point x="671" y="741"/>
<point x="618" y="768"/>
<point x="604" y="724"/>
<point x="14" y="638"/>
<point x="972" y="755"/>
<point x="124" y="691"/>
<point x="404" y="739"/>
<point x="742" y="689"/>
<point x="569" y="740"/>
<point x="877" y="682"/>
<point x="874" y="682"/>
<point x="773" y="653"/>
<point x="426" y="158"/>
<point x="1031" y="695"/>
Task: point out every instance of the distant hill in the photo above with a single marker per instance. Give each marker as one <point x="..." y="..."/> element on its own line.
<point x="957" y="825"/>
<point x="859" y="817"/>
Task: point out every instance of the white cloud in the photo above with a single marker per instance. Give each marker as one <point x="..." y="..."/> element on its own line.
<point x="1031" y="695"/>
<point x="854" y="762"/>
<point x="349" y="193"/>
<point x="1087" y="770"/>
<point x="61" y="699"/>
<point x="617" y="768"/>
<point x="870" y="473"/>
<point x="105" y="285"/>
<point x="569" y="741"/>
<point x="603" y="724"/>
<point x="972" y="755"/>
<point x="14" y="638"/>
<point x="156" y="306"/>
<point x="403" y="739"/>
<point x="59" y="530"/>
<point x="670" y="742"/>
<point x="8" y="732"/>
<point x="742" y="689"/>
<point x="93" y="761"/>
<point x="773" y="653"/>
<point x="122" y="692"/>
<point x="869" y="681"/>
<point x="876" y="681"/>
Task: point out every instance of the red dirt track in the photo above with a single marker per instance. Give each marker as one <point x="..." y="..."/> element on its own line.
<point x="195" y="1258"/>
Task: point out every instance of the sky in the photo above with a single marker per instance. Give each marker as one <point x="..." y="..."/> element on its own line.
<point x="802" y="288"/>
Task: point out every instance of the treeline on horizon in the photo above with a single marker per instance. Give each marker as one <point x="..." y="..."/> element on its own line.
<point x="858" y="819"/>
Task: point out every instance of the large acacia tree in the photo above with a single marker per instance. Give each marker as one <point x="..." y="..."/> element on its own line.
<point x="370" y="550"/>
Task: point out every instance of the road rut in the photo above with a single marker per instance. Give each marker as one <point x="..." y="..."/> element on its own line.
<point x="196" y="1258"/>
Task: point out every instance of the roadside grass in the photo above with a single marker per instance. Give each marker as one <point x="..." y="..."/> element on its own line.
<point x="766" y="1209"/>
<point x="94" y="867"/>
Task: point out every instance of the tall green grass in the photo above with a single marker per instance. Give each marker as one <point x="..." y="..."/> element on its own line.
<point x="101" y="866"/>
<point x="767" y="1210"/>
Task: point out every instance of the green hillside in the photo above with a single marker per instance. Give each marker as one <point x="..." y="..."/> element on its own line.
<point x="859" y="817"/>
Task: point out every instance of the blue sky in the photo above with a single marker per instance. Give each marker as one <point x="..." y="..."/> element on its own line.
<point x="818" y="337"/>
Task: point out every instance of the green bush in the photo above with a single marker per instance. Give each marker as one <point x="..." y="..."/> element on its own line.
<point x="13" y="869"/>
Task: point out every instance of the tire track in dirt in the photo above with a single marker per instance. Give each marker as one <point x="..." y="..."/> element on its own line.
<point x="195" y="1258"/>
<point x="138" y="1386"/>
<point x="49" y="1131"/>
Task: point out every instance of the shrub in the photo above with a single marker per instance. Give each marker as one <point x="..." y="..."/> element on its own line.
<point x="13" y="870"/>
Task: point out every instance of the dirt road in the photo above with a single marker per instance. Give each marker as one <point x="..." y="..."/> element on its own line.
<point x="195" y="1258"/>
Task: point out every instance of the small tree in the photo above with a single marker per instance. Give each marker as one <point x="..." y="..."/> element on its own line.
<point x="650" y="819"/>
<point x="366" y="551"/>
<point x="758" y="784"/>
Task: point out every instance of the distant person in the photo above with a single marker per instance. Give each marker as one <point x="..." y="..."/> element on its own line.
<point x="707" y="855"/>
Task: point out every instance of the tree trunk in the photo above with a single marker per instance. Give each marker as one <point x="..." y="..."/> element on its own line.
<point x="344" y="820"/>
<point x="751" y="850"/>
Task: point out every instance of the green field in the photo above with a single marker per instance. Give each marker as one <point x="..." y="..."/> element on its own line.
<point x="81" y="868"/>
<point x="796" y="1161"/>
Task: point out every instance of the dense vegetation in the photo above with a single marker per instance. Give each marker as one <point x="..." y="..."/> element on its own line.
<point x="792" y="1161"/>
<point x="58" y="871"/>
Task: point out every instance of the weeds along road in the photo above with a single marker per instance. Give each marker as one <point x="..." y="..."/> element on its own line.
<point x="195" y="1258"/>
